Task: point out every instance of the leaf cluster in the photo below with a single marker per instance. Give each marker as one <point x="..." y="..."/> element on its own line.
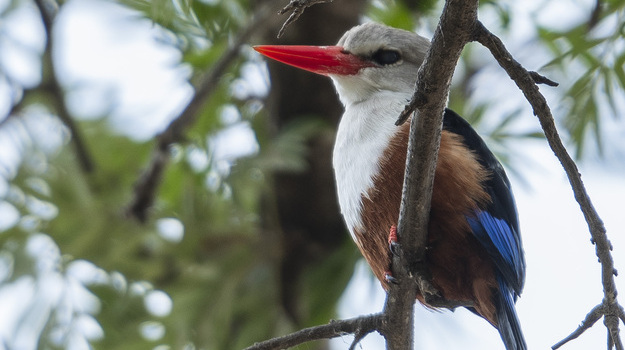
<point x="595" y="50"/>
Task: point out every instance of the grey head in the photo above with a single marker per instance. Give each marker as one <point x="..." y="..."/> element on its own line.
<point x="395" y="54"/>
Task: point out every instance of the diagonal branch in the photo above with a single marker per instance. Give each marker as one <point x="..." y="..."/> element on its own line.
<point x="147" y="185"/>
<point x="50" y="84"/>
<point x="526" y="83"/>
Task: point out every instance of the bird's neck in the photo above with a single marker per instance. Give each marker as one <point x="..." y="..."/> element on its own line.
<point x="364" y="133"/>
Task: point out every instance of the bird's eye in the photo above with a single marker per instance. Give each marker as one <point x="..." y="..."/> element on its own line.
<point x="386" y="57"/>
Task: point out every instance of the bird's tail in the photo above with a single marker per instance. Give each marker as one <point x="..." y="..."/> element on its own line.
<point x="508" y="323"/>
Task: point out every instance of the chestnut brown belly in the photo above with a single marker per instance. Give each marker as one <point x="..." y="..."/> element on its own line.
<point x="460" y="268"/>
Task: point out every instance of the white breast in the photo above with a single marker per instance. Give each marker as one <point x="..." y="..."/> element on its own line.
<point x="363" y="134"/>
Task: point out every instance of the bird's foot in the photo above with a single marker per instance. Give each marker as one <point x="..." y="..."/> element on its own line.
<point x="427" y="289"/>
<point x="393" y="247"/>
<point x="393" y="244"/>
<point x="388" y="277"/>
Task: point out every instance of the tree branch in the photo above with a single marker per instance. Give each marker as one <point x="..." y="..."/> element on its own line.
<point x="147" y="185"/>
<point x="50" y="84"/>
<point x="525" y="82"/>
<point x="360" y="326"/>
<point x="428" y="104"/>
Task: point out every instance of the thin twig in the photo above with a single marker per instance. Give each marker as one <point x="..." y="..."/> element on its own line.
<point x="147" y="185"/>
<point x="526" y="83"/>
<point x="359" y="325"/>
<point x="48" y="10"/>
<point x="591" y="318"/>
<point x="298" y="7"/>
<point x="358" y="336"/>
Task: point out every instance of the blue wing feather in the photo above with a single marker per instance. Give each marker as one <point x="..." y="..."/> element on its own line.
<point x="496" y="227"/>
<point x="499" y="239"/>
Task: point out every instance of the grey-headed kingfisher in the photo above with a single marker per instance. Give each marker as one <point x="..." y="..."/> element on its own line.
<point x="474" y="244"/>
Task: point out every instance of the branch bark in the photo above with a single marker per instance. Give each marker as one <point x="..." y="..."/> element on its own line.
<point x="50" y="84"/>
<point x="428" y="104"/>
<point x="359" y="326"/>
<point x="526" y="83"/>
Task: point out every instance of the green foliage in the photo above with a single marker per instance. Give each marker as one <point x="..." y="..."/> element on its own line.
<point x="399" y="13"/>
<point x="594" y="48"/>
<point x="392" y="13"/>
<point x="51" y="199"/>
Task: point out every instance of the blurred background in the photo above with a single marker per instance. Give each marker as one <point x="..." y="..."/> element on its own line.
<point x="162" y="187"/>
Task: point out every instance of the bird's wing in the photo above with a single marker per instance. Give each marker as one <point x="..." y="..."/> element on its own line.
<point x="496" y="226"/>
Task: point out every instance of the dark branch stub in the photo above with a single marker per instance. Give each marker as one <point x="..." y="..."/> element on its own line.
<point x="595" y="15"/>
<point x="298" y="7"/>
<point x="417" y="101"/>
<point x="541" y="79"/>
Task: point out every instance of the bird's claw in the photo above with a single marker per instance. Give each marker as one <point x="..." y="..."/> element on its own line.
<point x="388" y="277"/>
<point x="394" y="248"/>
<point x="393" y="244"/>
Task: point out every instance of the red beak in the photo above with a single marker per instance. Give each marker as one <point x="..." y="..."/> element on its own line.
<point x="322" y="60"/>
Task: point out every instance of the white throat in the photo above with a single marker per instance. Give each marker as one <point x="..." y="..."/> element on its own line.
<point x="363" y="135"/>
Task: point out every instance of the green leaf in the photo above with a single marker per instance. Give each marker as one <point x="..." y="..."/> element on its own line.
<point x="288" y="150"/>
<point x="393" y="13"/>
<point x="619" y="71"/>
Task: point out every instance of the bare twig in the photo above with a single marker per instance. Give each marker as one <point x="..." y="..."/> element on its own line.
<point x="525" y="82"/>
<point x="358" y="336"/>
<point x="593" y="316"/>
<point x="50" y="84"/>
<point x="147" y="185"/>
<point x="298" y="7"/>
<point x="359" y="326"/>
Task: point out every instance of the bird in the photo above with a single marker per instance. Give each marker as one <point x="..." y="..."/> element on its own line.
<point x="474" y="250"/>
